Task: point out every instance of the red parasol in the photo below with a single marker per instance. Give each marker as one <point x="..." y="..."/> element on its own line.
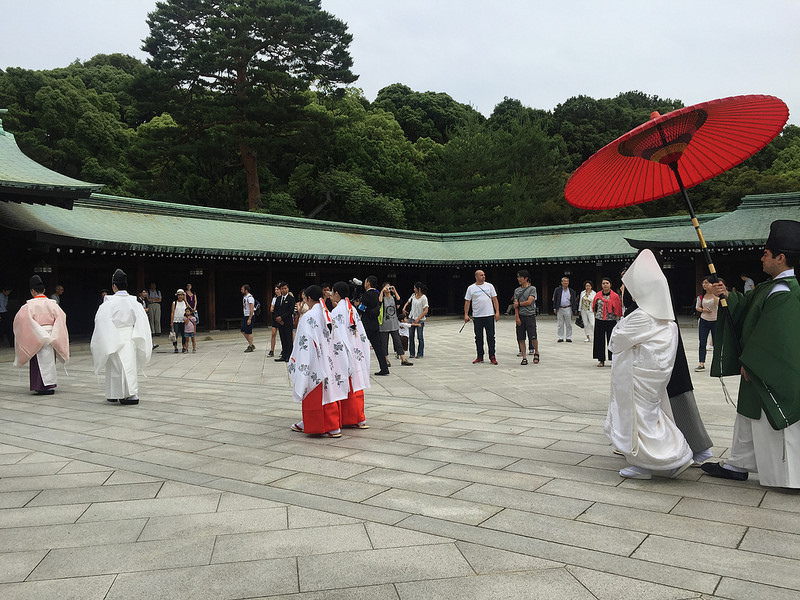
<point x="676" y="151"/>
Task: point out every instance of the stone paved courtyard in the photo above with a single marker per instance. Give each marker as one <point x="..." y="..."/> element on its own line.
<point x="474" y="481"/>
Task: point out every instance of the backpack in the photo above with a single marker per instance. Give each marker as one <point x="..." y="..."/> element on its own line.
<point x="256" y="308"/>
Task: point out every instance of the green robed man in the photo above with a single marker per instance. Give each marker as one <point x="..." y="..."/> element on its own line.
<point x="766" y="434"/>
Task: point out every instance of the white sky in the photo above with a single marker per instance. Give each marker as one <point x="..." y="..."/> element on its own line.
<point x="478" y="51"/>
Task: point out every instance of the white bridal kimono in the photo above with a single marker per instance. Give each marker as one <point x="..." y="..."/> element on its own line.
<point x="121" y="343"/>
<point x="639" y="422"/>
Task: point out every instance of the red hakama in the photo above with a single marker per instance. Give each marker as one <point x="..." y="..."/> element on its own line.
<point x="320" y="418"/>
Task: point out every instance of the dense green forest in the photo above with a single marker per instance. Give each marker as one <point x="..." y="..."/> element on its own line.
<point x="250" y="105"/>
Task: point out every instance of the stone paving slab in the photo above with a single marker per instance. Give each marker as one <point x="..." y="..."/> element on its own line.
<point x="473" y="481"/>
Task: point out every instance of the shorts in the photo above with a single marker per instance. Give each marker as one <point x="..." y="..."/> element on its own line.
<point x="188" y="335"/>
<point x="528" y="327"/>
<point x="245" y="328"/>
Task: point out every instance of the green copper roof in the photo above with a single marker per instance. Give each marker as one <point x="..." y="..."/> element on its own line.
<point x="22" y="179"/>
<point x="747" y="226"/>
<point x="126" y="224"/>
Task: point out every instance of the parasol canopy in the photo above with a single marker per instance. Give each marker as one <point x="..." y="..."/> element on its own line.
<point x="676" y="151"/>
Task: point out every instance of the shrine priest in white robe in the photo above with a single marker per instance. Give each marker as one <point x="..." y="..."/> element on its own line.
<point x="347" y="327"/>
<point x="121" y="342"/>
<point x="639" y="422"/>
<point x="318" y="368"/>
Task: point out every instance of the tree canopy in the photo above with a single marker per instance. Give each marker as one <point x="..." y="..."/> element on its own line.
<point x="245" y="105"/>
<point x="239" y="66"/>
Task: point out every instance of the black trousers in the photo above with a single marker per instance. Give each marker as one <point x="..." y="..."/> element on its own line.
<point x="377" y="346"/>
<point x="602" y="333"/>
<point x="285" y="331"/>
<point x="481" y="324"/>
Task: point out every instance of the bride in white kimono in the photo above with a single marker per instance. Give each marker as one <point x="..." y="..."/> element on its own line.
<point x="639" y="422"/>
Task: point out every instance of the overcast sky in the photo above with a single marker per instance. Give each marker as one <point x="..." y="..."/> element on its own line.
<point x="479" y="51"/>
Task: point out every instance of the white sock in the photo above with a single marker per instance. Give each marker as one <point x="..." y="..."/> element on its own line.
<point x="702" y="456"/>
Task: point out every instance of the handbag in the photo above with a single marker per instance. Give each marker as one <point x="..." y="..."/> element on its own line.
<point x="172" y="337"/>
<point x="579" y="321"/>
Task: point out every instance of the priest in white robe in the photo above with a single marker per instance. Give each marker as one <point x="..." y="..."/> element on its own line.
<point x="121" y="342"/>
<point x="348" y="327"/>
<point x="639" y="422"/>
<point x="40" y="327"/>
<point x="318" y="368"/>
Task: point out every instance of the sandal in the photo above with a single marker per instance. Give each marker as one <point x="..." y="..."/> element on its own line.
<point x="332" y="435"/>
<point x="524" y="361"/>
<point x="536" y="358"/>
<point x="296" y="427"/>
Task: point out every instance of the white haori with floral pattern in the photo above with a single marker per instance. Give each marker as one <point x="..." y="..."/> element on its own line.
<point x="348" y="327"/>
<point x="316" y="360"/>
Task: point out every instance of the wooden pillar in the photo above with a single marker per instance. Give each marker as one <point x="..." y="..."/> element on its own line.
<point x="140" y="283"/>
<point x="211" y="294"/>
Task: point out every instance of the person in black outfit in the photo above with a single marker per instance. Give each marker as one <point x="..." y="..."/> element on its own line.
<point x="284" y="318"/>
<point x="369" y="318"/>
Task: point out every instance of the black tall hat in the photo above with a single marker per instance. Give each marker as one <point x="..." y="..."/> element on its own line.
<point x="36" y="281"/>
<point x="119" y="277"/>
<point x="784" y="236"/>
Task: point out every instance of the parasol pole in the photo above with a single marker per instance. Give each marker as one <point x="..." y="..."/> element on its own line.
<point x="723" y="300"/>
<point x="706" y="254"/>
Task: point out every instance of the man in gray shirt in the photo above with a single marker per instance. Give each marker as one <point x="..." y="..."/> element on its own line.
<point x="525" y="313"/>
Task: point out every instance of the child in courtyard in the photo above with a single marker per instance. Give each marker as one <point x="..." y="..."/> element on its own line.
<point x="189" y="322"/>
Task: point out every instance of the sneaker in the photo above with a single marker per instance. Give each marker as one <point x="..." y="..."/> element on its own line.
<point x="405" y="363"/>
<point x="493" y="360"/>
<point x="249" y="348"/>
<point x="560" y="340"/>
<point x="411" y="356"/>
<point x="587" y="340"/>
<point x="271" y="353"/>
<point x="477" y="360"/>
<point x="184" y="351"/>
<point x="700" y="368"/>
<point x="175" y="351"/>
<point x="569" y="340"/>
<point x="519" y="354"/>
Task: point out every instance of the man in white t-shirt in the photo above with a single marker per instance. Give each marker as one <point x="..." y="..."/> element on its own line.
<point x="248" y="311"/>
<point x="485" y="312"/>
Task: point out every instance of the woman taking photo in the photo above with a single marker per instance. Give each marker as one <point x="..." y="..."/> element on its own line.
<point x="706" y="306"/>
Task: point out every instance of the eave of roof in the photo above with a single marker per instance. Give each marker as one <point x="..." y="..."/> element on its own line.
<point x="111" y="223"/>
<point x="22" y="179"/>
<point x="746" y="227"/>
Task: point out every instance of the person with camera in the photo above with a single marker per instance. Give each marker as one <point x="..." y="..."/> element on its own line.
<point x="369" y="308"/>
<point x="390" y="324"/>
